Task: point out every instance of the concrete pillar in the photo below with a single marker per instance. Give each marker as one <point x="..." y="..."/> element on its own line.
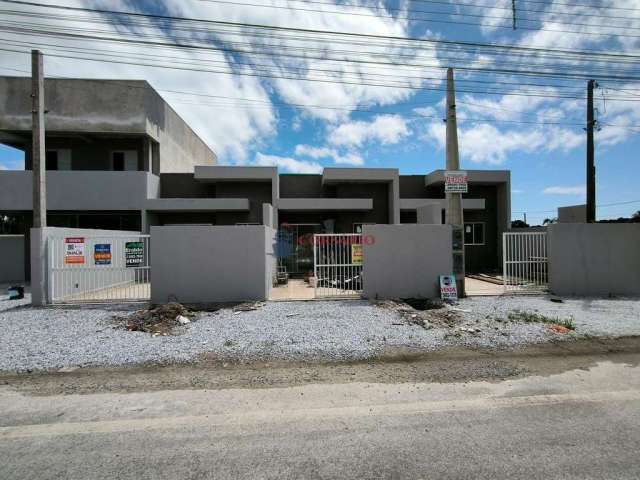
<point x="38" y="249"/>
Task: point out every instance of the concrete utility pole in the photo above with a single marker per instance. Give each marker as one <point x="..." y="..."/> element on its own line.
<point x="591" y="167"/>
<point x="454" y="214"/>
<point x="38" y="166"/>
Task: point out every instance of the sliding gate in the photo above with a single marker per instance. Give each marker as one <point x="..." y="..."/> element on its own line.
<point x="338" y="259"/>
<point x="525" y="264"/>
<point x="99" y="268"/>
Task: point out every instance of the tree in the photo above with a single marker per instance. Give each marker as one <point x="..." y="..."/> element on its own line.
<point x="519" y="224"/>
<point x="549" y="221"/>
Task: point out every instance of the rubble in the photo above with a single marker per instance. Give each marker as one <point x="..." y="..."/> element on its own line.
<point x="158" y="321"/>
<point x="430" y="313"/>
<point x="248" y="306"/>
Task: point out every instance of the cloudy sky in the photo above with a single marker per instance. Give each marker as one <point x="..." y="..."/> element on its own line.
<point x="303" y="100"/>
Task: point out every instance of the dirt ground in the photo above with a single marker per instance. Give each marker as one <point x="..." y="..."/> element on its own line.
<point x="396" y="366"/>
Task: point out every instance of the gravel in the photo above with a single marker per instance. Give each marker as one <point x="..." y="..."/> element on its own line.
<point x="53" y="338"/>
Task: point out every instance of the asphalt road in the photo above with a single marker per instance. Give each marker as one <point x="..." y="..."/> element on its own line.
<point x="582" y="423"/>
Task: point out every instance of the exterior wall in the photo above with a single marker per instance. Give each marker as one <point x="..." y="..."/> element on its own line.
<point x="12" y="258"/>
<point x="79" y="190"/>
<point x="129" y="107"/>
<point x="594" y="259"/>
<point x="405" y="260"/>
<point x="572" y="214"/>
<point x="206" y="264"/>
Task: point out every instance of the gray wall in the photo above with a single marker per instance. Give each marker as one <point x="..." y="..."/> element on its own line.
<point x="406" y="260"/>
<point x="106" y="106"/>
<point x="11" y="258"/>
<point x="594" y="259"/>
<point x="203" y="264"/>
<point x="572" y="214"/>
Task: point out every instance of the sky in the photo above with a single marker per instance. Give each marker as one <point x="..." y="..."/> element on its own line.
<point x="304" y="101"/>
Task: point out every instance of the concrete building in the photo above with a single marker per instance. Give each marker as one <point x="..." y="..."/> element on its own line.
<point x="119" y="158"/>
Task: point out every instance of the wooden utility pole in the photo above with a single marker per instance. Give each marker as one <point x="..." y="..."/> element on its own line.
<point x="454" y="213"/>
<point x="38" y="167"/>
<point x="591" y="168"/>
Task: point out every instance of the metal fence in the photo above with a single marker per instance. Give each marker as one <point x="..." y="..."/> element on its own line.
<point x="99" y="268"/>
<point x="525" y="264"/>
<point x="338" y="260"/>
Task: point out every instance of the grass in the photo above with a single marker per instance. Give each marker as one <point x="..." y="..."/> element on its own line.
<point x="520" y="316"/>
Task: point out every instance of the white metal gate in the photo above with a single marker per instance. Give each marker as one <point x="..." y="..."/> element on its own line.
<point x="99" y="268"/>
<point x="525" y="267"/>
<point x="337" y="264"/>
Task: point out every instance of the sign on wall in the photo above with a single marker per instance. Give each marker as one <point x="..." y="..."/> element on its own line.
<point x="455" y="181"/>
<point x="74" y="250"/>
<point x="134" y="254"/>
<point x="356" y="254"/>
<point x="448" y="288"/>
<point x="102" y="254"/>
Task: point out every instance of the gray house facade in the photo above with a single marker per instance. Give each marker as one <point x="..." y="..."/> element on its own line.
<point x="119" y="158"/>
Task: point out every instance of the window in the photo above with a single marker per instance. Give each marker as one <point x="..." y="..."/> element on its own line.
<point x="51" y="160"/>
<point x="118" y="161"/>
<point x="474" y="233"/>
<point x="357" y="227"/>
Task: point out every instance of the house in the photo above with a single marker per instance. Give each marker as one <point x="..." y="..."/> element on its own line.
<point x="120" y="158"/>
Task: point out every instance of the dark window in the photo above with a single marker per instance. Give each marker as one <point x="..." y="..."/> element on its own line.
<point x="118" y="161"/>
<point x="474" y="233"/>
<point x="52" y="160"/>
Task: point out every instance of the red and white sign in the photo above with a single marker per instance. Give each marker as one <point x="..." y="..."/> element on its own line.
<point x="74" y="250"/>
<point x="448" y="288"/>
<point x="455" y="181"/>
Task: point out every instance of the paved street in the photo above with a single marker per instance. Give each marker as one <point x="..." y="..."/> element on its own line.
<point x="580" y="423"/>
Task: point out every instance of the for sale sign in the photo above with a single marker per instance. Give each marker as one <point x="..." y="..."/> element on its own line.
<point x="356" y="254"/>
<point x="102" y="254"/>
<point x="455" y="181"/>
<point x="134" y="254"/>
<point x="448" y="288"/>
<point x="74" y="250"/>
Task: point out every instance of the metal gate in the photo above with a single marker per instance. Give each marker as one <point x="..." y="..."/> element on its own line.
<point x="99" y="268"/>
<point x="337" y="264"/>
<point x="525" y="267"/>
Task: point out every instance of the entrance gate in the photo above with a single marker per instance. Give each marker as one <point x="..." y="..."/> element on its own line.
<point x="338" y="260"/>
<point x="525" y="264"/>
<point x="99" y="268"/>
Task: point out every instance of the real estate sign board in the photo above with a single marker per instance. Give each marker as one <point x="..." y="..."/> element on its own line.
<point x="102" y="254"/>
<point x="74" y="250"/>
<point x="448" y="288"/>
<point x="356" y="254"/>
<point x="455" y="181"/>
<point x="134" y="254"/>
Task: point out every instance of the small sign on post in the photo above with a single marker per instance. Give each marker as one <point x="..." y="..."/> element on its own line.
<point x="455" y="181"/>
<point x="74" y="250"/>
<point x="448" y="289"/>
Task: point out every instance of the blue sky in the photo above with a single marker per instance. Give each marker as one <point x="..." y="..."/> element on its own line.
<point x="249" y="119"/>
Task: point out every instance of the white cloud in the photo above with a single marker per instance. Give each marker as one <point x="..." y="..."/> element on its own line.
<point x="563" y="190"/>
<point x="485" y="143"/>
<point x="386" y="129"/>
<point x="325" y="152"/>
<point x="288" y="164"/>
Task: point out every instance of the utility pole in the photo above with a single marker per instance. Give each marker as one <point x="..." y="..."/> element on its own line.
<point x="525" y="217"/>
<point x="513" y="11"/>
<point x="454" y="214"/>
<point x="38" y="166"/>
<point x="591" y="168"/>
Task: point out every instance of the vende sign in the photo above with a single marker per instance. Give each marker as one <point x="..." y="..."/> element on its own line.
<point x="455" y="181"/>
<point x="448" y="288"/>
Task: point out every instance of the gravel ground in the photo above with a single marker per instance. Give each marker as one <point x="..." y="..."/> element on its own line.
<point x="51" y="338"/>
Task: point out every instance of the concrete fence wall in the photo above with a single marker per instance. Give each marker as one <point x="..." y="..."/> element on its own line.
<point x="594" y="259"/>
<point x="11" y="258"/>
<point x="207" y="264"/>
<point x="402" y="261"/>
